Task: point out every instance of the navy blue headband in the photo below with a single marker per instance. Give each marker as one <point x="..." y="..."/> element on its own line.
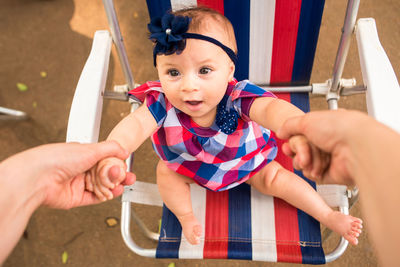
<point x="169" y="33"/>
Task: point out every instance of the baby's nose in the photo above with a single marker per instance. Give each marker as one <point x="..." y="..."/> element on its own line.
<point x="189" y="84"/>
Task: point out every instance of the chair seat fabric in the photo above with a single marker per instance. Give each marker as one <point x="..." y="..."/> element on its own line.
<point x="241" y="223"/>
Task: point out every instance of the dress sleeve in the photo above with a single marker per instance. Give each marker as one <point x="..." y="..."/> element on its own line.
<point x="155" y="99"/>
<point x="243" y="95"/>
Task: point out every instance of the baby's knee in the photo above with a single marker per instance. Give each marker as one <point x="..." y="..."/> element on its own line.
<point x="272" y="175"/>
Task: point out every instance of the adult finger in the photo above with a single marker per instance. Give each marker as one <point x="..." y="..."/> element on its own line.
<point x="116" y="174"/>
<point x="300" y="147"/>
<point x="130" y="178"/>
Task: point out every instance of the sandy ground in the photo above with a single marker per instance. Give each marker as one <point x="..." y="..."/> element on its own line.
<point x="55" y="36"/>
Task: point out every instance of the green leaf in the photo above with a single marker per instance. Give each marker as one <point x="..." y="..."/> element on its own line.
<point x="64" y="257"/>
<point x="159" y="226"/>
<point x="22" y="87"/>
<point x="172" y="264"/>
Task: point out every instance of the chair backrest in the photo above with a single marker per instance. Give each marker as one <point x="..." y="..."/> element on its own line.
<point x="276" y="38"/>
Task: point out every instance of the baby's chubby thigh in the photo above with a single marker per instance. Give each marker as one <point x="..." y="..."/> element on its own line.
<point x="174" y="189"/>
<point x="272" y="180"/>
<point x="168" y="177"/>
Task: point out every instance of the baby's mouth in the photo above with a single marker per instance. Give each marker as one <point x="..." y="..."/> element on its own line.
<point x="194" y="105"/>
<point x="193" y="102"/>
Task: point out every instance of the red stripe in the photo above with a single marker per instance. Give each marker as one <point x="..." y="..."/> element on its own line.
<point x="285" y="34"/>
<point x="214" y="4"/>
<point x="216" y="228"/>
<point x="286" y="221"/>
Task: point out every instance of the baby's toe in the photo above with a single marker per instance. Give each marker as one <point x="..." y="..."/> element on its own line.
<point x="356" y="229"/>
<point x="351" y="238"/>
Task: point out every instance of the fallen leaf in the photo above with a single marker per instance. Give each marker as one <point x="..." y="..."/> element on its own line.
<point x="64" y="257"/>
<point x="34" y="104"/>
<point x="43" y="74"/>
<point x="172" y="264"/>
<point x="22" y="87"/>
<point x="111" y="221"/>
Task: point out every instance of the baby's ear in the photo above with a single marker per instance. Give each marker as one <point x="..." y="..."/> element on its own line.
<point x="231" y="71"/>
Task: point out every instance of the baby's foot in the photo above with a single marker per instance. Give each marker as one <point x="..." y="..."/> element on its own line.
<point x="191" y="228"/>
<point x="347" y="226"/>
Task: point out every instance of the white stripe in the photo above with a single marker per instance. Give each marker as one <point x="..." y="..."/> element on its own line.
<point x="262" y="17"/>
<point x="186" y="250"/>
<point x="179" y="4"/>
<point x="263" y="227"/>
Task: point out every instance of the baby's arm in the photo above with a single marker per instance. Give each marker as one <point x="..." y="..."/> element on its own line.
<point x="130" y="133"/>
<point x="271" y="113"/>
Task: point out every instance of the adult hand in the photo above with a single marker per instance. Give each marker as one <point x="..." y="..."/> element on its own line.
<point x="52" y="175"/>
<point x="332" y="132"/>
<point x="60" y="170"/>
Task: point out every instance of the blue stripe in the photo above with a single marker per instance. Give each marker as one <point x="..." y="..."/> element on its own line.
<point x="307" y="37"/>
<point x="309" y="230"/>
<point x="239" y="244"/>
<point x="157" y="8"/>
<point x="300" y="100"/>
<point x="170" y="236"/>
<point x="238" y="12"/>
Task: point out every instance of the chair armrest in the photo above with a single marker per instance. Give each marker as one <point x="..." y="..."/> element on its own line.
<point x="383" y="91"/>
<point x="86" y="108"/>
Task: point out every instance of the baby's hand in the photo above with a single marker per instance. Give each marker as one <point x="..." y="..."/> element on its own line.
<point x="306" y="157"/>
<point x="108" y="174"/>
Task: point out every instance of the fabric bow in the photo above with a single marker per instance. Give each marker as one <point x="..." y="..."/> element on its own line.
<point x="167" y="32"/>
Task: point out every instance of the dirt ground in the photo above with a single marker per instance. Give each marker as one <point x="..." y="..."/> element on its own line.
<point x="55" y="36"/>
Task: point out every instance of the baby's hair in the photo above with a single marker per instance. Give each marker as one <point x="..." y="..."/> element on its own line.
<point x="198" y="15"/>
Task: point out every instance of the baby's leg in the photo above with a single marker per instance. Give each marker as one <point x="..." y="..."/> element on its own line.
<point x="175" y="192"/>
<point x="276" y="181"/>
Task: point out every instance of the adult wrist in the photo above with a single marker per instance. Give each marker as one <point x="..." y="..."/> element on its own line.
<point x="20" y="179"/>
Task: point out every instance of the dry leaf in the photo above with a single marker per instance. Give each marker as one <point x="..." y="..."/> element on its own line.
<point x="111" y="221"/>
<point x="22" y="87"/>
<point x="64" y="257"/>
<point x="43" y="74"/>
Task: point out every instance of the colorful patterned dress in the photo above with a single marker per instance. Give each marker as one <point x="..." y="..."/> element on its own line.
<point x="212" y="158"/>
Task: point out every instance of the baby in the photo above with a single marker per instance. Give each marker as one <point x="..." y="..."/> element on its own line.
<point x="210" y="129"/>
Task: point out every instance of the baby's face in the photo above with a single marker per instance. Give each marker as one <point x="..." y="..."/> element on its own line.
<point x="196" y="80"/>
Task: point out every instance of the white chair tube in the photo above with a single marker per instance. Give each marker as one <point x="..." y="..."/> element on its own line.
<point x="126" y="233"/>
<point x="118" y="40"/>
<point x="86" y="108"/>
<point x="344" y="45"/>
<point x="341" y="248"/>
<point x="383" y="91"/>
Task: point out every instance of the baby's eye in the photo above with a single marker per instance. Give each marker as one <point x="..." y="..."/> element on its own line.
<point x="173" y="72"/>
<point x="205" y="70"/>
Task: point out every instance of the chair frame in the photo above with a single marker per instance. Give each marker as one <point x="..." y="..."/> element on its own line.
<point x="12" y="114"/>
<point x="92" y="82"/>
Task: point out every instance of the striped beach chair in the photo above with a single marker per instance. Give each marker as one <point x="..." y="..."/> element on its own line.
<point x="276" y="42"/>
